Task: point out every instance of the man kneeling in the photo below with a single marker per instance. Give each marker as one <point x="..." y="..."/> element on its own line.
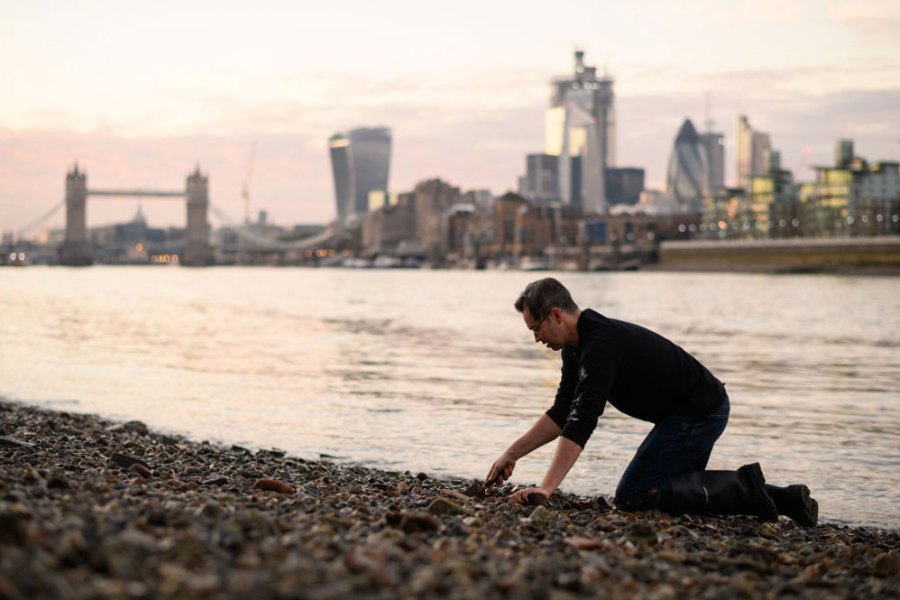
<point x="648" y="377"/>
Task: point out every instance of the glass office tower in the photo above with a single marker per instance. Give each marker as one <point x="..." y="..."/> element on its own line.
<point x="360" y="162"/>
<point x="687" y="177"/>
<point x="751" y="148"/>
<point x="339" y="148"/>
<point x="580" y="123"/>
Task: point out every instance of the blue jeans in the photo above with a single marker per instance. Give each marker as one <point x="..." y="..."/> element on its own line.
<point x="674" y="446"/>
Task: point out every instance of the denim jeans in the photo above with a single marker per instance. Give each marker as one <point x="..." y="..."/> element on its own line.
<point x="674" y="446"/>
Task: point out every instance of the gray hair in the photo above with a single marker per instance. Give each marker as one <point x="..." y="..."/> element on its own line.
<point x="542" y="296"/>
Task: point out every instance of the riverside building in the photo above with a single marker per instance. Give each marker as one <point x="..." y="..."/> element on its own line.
<point x="854" y="197"/>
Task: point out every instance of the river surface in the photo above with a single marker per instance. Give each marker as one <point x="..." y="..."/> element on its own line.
<point x="435" y="371"/>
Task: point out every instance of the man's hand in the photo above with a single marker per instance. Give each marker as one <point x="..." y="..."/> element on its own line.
<point x="522" y="496"/>
<point x="502" y="469"/>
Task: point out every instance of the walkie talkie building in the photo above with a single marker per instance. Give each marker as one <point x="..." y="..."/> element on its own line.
<point x="360" y="163"/>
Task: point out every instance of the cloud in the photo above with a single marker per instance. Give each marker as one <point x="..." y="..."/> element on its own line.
<point x="470" y="146"/>
<point x="804" y="127"/>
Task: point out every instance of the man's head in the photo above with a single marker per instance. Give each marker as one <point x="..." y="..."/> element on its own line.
<point x="549" y="312"/>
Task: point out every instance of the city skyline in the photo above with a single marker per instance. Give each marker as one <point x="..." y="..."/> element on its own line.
<point x="140" y="96"/>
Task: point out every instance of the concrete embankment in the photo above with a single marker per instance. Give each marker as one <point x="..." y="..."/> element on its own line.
<point x="853" y="255"/>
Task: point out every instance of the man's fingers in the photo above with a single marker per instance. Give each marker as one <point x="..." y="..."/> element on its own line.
<point x="520" y="496"/>
<point x="499" y="474"/>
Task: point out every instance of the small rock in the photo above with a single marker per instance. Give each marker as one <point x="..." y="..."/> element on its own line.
<point x="412" y="522"/>
<point x="476" y="490"/>
<point x="887" y="564"/>
<point x="57" y="482"/>
<point x="603" y="504"/>
<point x="421" y="476"/>
<point x="541" y="515"/>
<point x="125" y="461"/>
<point x="442" y="506"/>
<point x="141" y="470"/>
<point x="569" y="580"/>
<point x="5" y="440"/>
<point x="640" y="530"/>
<point x="273" y="485"/>
<point x="136" y="427"/>
<point x="583" y="543"/>
<point x="454" y="494"/>
<point x="214" y="479"/>
<point x="12" y="528"/>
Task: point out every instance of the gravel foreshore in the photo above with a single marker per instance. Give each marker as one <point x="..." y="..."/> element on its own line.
<point x="95" y="509"/>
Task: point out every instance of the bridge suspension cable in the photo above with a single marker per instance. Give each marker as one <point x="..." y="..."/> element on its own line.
<point x="34" y="224"/>
<point x="265" y="243"/>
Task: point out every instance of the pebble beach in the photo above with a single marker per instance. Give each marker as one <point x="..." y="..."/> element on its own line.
<point x="91" y="508"/>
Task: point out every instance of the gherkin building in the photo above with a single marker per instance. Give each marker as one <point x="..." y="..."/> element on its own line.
<point x="686" y="179"/>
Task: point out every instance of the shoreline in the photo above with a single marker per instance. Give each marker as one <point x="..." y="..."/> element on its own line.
<point x="95" y="508"/>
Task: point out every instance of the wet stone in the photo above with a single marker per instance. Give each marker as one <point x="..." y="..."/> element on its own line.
<point x="12" y="528"/>
<point x="412" y="522"/>
<point x="71" y="527"/>
<point x="273" y="485"/>
<point x="141" y="470"/>
<point x="541" y="515"/>
<point x="214" y="480"/>
<point x="887" y="565"/>
<point x="12" y="442"/>
<point x="136" y="427"/>
<point x="442" y="506"/>
<point x="125" y="461"/>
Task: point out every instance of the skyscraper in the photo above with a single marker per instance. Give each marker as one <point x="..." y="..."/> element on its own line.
<point x="581" y="123"/>
<point x="541" y="182"/>
<point x="714" y="145"/>
<point x="360" y="162"/>
<point x="686" y="179"/>
<point x="339" y="148"/>
<point x="751" y="147"/>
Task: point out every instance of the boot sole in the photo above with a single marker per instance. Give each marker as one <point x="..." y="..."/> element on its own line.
<point x="808" y="515"/>
<point x="765" y="506"/>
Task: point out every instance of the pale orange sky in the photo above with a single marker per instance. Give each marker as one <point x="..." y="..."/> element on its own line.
<point x="141" y="93"/>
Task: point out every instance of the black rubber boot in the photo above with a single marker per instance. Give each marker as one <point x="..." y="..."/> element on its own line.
<point x="740" y="492"/>
<point x="795" y="502"/>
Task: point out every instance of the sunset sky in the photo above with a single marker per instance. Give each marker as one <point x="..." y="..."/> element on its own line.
<point x="141" y="93"/>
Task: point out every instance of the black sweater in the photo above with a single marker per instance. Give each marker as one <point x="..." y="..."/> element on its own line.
<point x="638" y="371"/>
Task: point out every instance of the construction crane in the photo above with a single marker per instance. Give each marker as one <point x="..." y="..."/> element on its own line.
<point x="245" y="188"/>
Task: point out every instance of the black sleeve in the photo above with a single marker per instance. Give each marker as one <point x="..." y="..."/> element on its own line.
<point x="568" y="379"/>
<point x="595" y="377"/>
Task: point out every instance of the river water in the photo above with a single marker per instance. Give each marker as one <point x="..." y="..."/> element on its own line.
<point x="434" y="370"/>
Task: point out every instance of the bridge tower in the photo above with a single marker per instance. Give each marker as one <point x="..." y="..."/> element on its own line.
<point x="76" y="249"/>
<point x="197" y="252"/>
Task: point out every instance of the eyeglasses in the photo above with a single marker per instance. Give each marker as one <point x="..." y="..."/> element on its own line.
<point x="536" y="328"/>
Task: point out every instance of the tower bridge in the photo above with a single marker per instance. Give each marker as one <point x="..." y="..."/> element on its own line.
<point x="76" y="250"/>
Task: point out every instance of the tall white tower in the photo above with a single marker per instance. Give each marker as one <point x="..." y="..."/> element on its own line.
<point x="580" y="125"/>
